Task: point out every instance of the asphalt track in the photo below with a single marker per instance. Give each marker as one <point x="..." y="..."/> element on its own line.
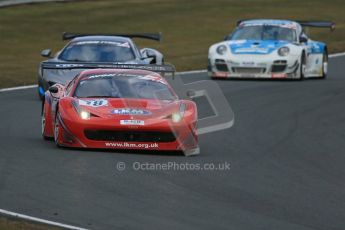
<point x="286" y="150"/>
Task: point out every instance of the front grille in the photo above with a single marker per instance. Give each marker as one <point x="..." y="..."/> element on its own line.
<point x="279" y="66"/>
<point x="246" y="70"/>
<point x="221" y="65"/>
<point x="134" y="136"/>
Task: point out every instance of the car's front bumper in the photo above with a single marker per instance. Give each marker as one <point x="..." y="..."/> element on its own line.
<point x="96" y="134"/>
<point x="247" y="66"/>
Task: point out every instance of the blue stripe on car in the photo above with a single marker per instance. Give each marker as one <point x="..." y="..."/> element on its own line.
<point x="255" y="47"/>
<point x="316" y="47"/>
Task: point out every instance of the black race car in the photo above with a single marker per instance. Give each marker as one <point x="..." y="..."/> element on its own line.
<point x="98" y="49"/>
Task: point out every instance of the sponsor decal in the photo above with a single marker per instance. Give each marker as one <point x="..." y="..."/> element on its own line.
<point x="279" y="75"/>
<point x="237" y="42"/>
<point x="132" y="145"/>
<point x="132" y="122"/>
<point x="249" y="63"/>
<point x="102" y="75"/>
<point x="130" y="111"/>
<point x="221" y="74"/>
<point x="120" y="44"/>
<point x="114" y="75"/>
<point x="127" y="75"/>
<point x="152" y="78"/>
<point x="315" y="48"/>
<point x="126" y="44"/>
<point x="68" y="65"/>
<point x="279" y="23"/>
<point x="94" y="102"/>
<point x="252" y="50"/>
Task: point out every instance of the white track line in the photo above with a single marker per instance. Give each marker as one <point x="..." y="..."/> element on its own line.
<point x="34" y="219"/>
<point x="191" y="72"/>
<point x="7" y="3"/>
<point x="177" y="73"/>
<point x="17" y="88"/>
<point x="336" y="55"/>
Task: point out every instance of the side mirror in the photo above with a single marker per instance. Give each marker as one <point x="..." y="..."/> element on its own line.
<point x="303" y="39"/>
<point x="53" y="89"/>
<point x="46" y="53"/>
<point x="148" y="53"/>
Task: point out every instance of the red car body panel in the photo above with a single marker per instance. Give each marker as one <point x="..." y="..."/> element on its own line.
<point x="111" y="126"/>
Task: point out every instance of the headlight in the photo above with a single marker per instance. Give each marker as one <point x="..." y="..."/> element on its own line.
<point x="176" y="117"/>
<point x="284" y="51"/>
<point x="85" y="115"/>
<point x="221" y="49"/>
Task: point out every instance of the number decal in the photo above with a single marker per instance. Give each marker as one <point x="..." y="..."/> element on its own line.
<point x="94" y="103"/>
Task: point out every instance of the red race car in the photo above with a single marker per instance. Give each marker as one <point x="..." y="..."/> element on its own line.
<point x="124" y="108"/>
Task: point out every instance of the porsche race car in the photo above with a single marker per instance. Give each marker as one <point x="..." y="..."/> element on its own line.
<point x="128" y="107"/>
<point x="101" y="48"/>
<point x="269" y="49"/>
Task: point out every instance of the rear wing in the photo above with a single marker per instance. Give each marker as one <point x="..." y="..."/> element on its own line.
<point x="318" y="24"/>
<point x="242" y="20"/>
<point x="166" y="68"/>
<point x="151" y="36"/>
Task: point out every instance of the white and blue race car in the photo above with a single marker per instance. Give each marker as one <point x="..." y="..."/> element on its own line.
<point x="269" y="49"/>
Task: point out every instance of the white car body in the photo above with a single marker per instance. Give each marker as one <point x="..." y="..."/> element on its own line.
<point x="262" y="59"/>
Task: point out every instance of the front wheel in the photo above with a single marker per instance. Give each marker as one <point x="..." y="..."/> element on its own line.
<point x="303" y="67"/>
<point x="43" y="123"/>
<point x="324" y="65"/>
<point x="57" y="130"/>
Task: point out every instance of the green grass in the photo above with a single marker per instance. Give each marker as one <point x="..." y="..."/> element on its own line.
<point x="15" y="224"/>
<point x="189" y="27"/>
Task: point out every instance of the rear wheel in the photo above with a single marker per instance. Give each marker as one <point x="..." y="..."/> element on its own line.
<point x="324" y="65"/>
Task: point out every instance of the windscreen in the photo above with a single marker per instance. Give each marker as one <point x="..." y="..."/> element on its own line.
<point x="98" y="51"/>
<point x="123" y="86"/>
<point x="264" y="32"/>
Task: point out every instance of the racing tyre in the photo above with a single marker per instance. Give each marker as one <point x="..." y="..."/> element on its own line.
<point x="324" y="65"/>
<point x="303" y="67"/>
<point x="57" y="130"/>
<point x="43" y="123"/>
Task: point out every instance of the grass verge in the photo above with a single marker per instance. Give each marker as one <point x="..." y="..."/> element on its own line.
<point x="189" y="27"/>
<point x="17" y="224"/>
